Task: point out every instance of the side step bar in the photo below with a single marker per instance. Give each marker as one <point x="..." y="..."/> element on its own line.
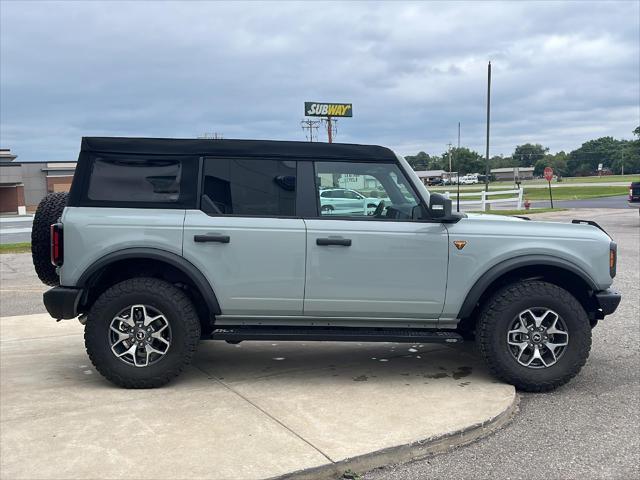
<point x="335" y="334"/>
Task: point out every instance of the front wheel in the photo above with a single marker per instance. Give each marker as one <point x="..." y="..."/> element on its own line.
<point x="141" y="333"/>
<point x="534" y="335"/>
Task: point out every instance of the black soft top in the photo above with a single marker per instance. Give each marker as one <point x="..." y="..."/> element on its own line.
<point x="236" y="148"/>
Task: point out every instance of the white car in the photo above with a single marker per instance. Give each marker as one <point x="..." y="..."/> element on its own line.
<point x="344" y="200"/>
<point x="468" y="179"/>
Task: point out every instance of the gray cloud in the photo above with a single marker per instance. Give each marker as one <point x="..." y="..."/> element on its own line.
<point x="563" y="72"/>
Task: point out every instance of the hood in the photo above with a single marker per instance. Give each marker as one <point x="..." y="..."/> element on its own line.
<point x="488" y="216"/>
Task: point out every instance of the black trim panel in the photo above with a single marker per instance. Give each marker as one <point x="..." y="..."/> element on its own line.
<point x="505" y="267"/>
<point x="172" y="259"/>
<point x="62" y="302"/>
<point x="608" y="300"/>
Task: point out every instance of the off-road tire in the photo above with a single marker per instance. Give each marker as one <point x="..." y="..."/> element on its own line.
<point x="172" y="302"/>
<point x="49" y="211"/>
<point x="499" y="312"/>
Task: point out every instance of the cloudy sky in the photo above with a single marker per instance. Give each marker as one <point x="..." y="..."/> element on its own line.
<point x="563" y="73"/>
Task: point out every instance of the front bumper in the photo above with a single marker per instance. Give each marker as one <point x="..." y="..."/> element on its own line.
<point x="608" y="300"/>
<point x="62" y="302"/>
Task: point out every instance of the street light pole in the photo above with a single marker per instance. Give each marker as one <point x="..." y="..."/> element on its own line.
<point x="486" y="173"/>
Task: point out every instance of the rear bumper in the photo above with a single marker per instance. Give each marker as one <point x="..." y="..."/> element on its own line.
<point x="62" y="302"/>
<point x="608" y="301"/>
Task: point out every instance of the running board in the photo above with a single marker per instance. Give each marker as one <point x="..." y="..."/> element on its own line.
<point x="335" y="334"/>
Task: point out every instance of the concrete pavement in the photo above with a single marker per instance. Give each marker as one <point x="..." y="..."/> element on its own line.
<point x="253" y="410"/>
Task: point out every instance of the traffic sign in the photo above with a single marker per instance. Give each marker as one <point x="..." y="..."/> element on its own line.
<point x="548" y="174"/>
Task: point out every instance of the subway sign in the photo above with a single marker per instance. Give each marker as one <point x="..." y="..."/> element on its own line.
<point x="314" y="109"/>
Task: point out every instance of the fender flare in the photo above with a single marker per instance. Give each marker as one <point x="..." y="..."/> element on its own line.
<point x="186" y="267"/>
<point x="506" y="266"/>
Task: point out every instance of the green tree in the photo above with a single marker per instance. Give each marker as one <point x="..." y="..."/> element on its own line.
<point x="629" y="155"/>
<point x="419" y="161"/>
<point x="466" y="161"/>
<point x="498" y="161"/>
<point x="557" y="161"/>
<point x="604" y="150"/>
<point x="528" y="154"/>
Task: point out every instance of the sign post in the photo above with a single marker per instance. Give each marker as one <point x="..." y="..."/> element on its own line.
<point x="548" y="175"/>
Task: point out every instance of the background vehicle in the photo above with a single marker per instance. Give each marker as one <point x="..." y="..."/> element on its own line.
<point x="165" y="242"/>
<point x="634" y="195"/>
<point x="469" y="179"/>
<point x="345" y="200"/>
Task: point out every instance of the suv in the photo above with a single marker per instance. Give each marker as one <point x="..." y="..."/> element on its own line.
<point x="164" y="242"/>
<point x="344" y="200"/>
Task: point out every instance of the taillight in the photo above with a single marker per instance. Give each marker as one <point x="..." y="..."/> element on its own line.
<point x="613" y="258"/>
<point x="57" y="245"/>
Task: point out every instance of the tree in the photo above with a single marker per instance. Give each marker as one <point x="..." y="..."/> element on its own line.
<point x="528" y="154"/>
<point x="629" y="155"/>
<point x="467" y="161"/>
<point x="557" y="161"/>
<point x="419" y="161"/>
<point x="604" y="150"/>
<point x="498" y="161"/>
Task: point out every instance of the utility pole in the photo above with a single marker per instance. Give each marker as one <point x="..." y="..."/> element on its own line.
<point x="310" y="125"/>
<point x="449" y="152"/>
<point x="331" y="127"/>
<point x="622" y="162"/>
<point x="486" y="173"/>
<point x="458" y="170"/>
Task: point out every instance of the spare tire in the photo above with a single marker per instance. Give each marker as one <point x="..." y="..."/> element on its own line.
<point x="49" y="211"/>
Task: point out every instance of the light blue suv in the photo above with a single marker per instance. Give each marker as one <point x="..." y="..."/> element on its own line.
<point x="163" y="242"/>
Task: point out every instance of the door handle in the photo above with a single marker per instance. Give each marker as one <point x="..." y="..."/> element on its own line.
<point x="343" y="242"/>
<point x="211" y="238"/>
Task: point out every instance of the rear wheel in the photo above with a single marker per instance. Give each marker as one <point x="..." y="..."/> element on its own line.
<point x="326" y="209"/>
<point x="48" y="212"/>
<point x="534" y="335"/>
<point x="141" y="333"/>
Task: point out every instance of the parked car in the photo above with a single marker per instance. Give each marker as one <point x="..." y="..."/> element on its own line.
<point x="469" y="179"/>
<point x="344" y="200"/>
<point x="162" y="243"/>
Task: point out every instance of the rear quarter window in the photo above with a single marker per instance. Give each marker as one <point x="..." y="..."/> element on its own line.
<point x="142" y="181"/>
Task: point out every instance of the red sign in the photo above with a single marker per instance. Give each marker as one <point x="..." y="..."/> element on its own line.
<point x="548" y="173"/>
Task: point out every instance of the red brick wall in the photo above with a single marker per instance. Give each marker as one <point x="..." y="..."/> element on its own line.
<point x="10" y="198"/>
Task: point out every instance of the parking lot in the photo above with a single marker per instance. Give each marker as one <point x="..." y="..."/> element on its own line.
<point x="313" y="404"/>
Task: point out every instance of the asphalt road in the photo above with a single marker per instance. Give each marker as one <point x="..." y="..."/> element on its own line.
<point x="588" y="429"/>
<point x="601" y="202"/>
<point x="15" y="229"/>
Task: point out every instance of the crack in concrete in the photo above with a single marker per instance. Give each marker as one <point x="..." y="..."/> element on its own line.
<point x="263" y="411"/>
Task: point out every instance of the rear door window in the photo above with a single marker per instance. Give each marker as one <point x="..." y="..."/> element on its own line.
<point x="249" y="187"/>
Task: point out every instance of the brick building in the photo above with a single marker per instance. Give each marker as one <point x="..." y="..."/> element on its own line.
<point x="24" y="184"/>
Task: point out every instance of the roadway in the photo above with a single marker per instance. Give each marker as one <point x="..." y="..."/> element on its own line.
<point x="14" y="229"/>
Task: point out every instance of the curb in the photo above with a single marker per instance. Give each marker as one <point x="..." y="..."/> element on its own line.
<point x="409" y="452"/>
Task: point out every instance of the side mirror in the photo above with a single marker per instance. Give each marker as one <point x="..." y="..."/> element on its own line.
<point x="440" y="207"/>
